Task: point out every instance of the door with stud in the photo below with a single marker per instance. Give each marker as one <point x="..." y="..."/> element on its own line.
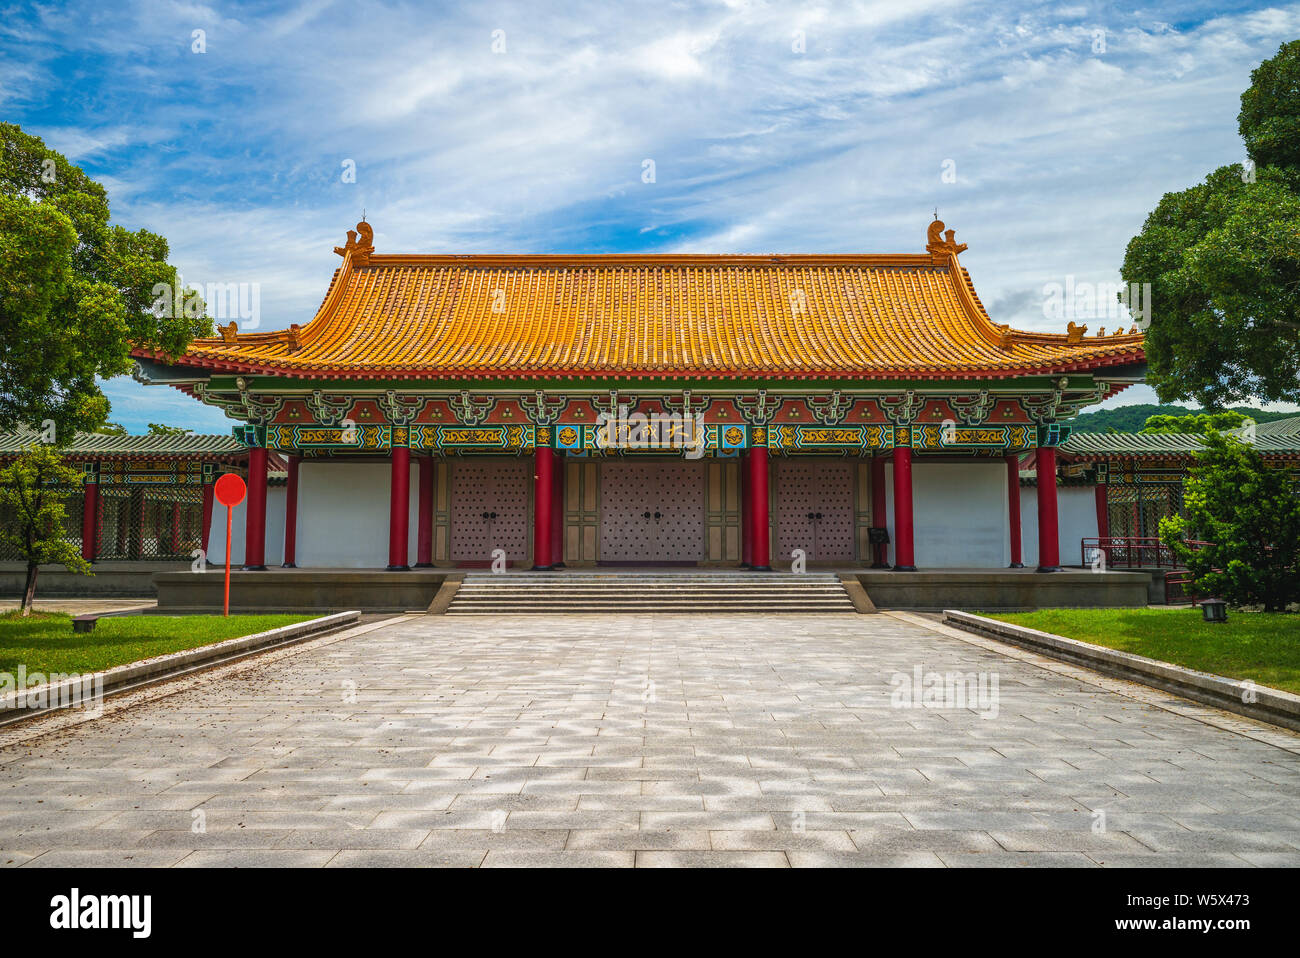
<point x="815" y="509"/>
<point x="490" y="508"/>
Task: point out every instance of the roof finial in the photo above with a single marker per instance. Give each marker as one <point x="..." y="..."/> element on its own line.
<point x="941" y="245"/>
<point x="360" y="243"/>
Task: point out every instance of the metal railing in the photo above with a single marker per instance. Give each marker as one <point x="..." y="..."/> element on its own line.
<point x="1179" y="588"/>
<point x="1145" y="552"/>
<point x="1132" y="552"/>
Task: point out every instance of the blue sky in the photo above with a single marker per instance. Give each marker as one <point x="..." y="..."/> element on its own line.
<point x="525" y="127"/>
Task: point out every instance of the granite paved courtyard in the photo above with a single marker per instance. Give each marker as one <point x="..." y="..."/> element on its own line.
<point x="648" y="741"/>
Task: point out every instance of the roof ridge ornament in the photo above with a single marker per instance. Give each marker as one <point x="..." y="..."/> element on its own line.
<point x="361" y="243"/>
<point x="941" y="245"/>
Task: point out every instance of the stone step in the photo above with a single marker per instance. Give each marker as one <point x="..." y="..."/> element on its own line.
<point x="747" y="581"/>
<point x="626" y="609"/>
<point x="641" y="587"/>
<point x="648" y="593"/>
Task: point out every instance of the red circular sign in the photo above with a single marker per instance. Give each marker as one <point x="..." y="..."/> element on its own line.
<point x="230" y="489"/>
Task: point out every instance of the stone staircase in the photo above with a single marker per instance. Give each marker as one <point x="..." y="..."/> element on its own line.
<point x="725" y="591"/>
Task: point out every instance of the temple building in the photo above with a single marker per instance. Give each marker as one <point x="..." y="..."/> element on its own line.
<point x="724" y="410"/>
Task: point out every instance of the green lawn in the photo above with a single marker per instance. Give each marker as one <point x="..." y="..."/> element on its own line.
<point x="44" y="641"/>
<point x="1263" y="647"/>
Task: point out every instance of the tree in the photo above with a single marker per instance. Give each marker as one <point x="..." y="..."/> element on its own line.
<point x="158" y="429"/>
<point x="1223" y="261"/>
<point x="1249" y="514"/>
<point x="31" y="500"/>
<point x="76" y="293"/>
<point x="1197" y="424"/>
<point x="112" y="429"/>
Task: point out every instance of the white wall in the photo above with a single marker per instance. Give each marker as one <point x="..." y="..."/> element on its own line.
<point x="1076" y="512"/>
<point x="959" y="514"/>
<point x="342" y="518"/>
<point x="343" y="514"/>
<point x="274" y="531"/>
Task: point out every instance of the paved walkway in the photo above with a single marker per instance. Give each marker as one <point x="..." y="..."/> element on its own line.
<point x="79" y="606"/>
<point x="647" y="741"/>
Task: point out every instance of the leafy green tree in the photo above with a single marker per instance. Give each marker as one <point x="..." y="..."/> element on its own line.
<point x="32" y="489"/>
<point x="1270" y="110"/>
<point x="1223" y="261"/>
<point x="158" y="429"/>
<point x="1249" y="514"/>
<point x="112" y="429"/>
<point x="76" y="293"/>
<point x="1198" y="424"/>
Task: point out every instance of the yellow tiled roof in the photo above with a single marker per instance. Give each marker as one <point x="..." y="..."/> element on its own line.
<point x="690" y="315"/>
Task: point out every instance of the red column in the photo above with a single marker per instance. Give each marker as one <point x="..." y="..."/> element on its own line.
<point x="904" y="559"/>
<point x="1049" y="546"/>
<point x="255" y="512"/>
<point x="760" y="525"/>
<point x="557" y="512"/>
<point x="543" y="504"/>
<point x="399" y="509"/>
<point x="141" y="526"/>
<point x="89" y="524"/>
<point x="424" y="531"/>
<point x="291" y="514"/>
<point x="1013" y="508"/>
<point x="207" y="517"/>
<point x="1103" y="510"/>
<point x="879" y="509"/>
<point x="176" y="528"/>
<point x="746" y="536"/>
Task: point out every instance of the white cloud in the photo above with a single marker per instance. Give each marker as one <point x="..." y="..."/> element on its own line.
<point x="235" y="155"/>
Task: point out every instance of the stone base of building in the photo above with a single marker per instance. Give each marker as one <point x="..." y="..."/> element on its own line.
<point x="995" y="590"/>
<point x="302" y="590"/>
<point x="132" y="580"/>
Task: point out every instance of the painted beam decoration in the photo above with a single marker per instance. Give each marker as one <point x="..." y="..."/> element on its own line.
<point x="617" y="423"/>
<point x="164" y="472"/>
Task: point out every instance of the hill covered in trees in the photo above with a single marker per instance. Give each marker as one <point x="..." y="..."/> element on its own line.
<point x="1133" y="418"/>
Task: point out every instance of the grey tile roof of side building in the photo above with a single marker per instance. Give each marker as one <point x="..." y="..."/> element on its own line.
<point x="1278" y="438"/>
<point x="96" y="445"/>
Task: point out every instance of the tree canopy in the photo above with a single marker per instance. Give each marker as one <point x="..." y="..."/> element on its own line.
<point x="76" y="292"/>
<point x="1199" y="424"/>
<point x="1223" y="261"/>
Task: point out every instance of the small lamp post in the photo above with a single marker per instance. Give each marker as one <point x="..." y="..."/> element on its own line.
<point x="1214" y="610"/>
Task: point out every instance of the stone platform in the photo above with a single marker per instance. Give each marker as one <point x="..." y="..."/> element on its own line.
<point x="303" y="590"/>
<point x="1004" y="589"/>
<point x="430" y="590"/>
